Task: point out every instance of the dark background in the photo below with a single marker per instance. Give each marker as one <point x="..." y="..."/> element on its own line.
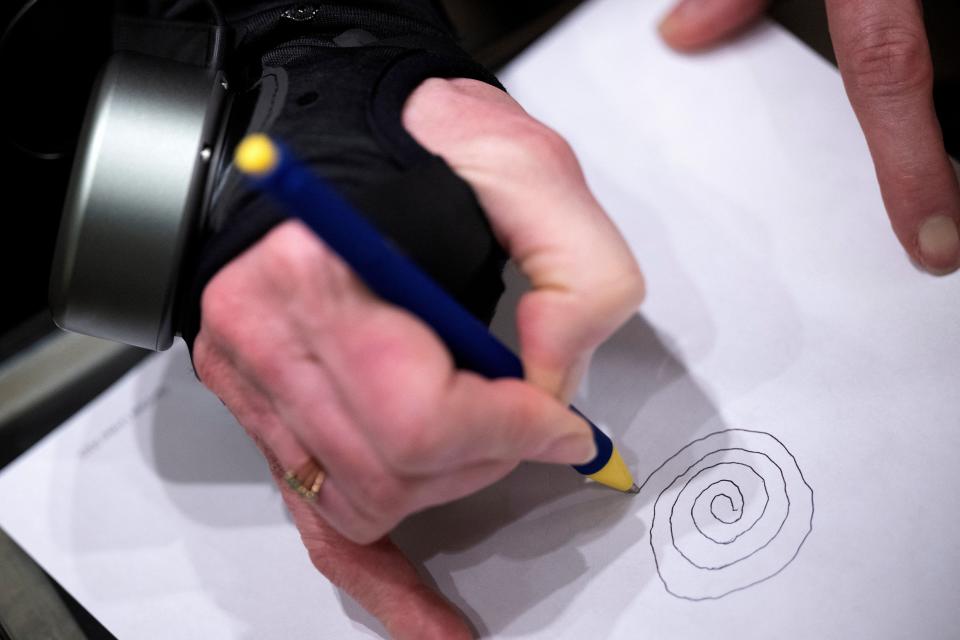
<point x="45" y="94"/>
<point x="44" y="97"/>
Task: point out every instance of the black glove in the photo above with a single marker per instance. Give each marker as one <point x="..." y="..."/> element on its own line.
<point x="331" y="86"/>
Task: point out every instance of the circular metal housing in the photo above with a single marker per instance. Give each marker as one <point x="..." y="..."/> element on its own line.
<point x="135" y="199"/>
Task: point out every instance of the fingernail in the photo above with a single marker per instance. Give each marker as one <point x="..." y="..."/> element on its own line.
<point x="939" y="243"/>
<point x="673" y="21"/>
<point x="577" y="448"/>
<point x="668" y="26"/>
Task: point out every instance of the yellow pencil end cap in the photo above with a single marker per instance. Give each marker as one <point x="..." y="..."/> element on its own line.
<point x="615" y="474"/>
<point x="256" y="155"/>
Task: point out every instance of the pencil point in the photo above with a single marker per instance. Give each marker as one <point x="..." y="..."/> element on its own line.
<point x="634" y="489"/>
<point x="614" y="473"/>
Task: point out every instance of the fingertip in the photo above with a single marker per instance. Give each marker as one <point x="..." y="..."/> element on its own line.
<point x="668" y="28"/>
<point x="676" y="31"/>
<point x="424" y="614"/>
<point x="684" y="38"/>
<point x="695" y="25"/>
<point x="938" y="245"/>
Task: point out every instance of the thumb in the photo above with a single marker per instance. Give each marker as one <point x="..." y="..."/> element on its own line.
<point x="560" y="328"/>
<point x="697" y="24"/>
<point x="585" y="280"/>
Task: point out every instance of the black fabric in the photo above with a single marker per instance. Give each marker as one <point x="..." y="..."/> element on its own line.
<point x="332" y="88"/>
<point x="240" y="11"/>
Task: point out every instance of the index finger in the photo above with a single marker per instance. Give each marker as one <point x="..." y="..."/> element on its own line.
<point x="884" y="57"/>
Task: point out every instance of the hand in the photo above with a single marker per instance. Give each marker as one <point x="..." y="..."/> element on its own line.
<point x="315" y="367"/>
<point x="884" y="58"/>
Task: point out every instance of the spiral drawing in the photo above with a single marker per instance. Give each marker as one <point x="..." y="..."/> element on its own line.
<point x="729" y="510"/>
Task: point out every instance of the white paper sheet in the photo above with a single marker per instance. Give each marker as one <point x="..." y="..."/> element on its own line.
<point x="789" y="399"/>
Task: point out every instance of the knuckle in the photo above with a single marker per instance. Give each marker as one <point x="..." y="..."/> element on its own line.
<point x="286" y="261"/>
<point x="404" y="422"/>
<point x="411" y="439"/>
<point x="638" y="288"/>
<point x="226" y="323"/>
<point x="234" y="341"/>
<point x="359" y="531"/>
<point x="290" y="264"/>
<point x="615" y="295"/>
<point x="887" y="59"/>
<point x="630" y="289"/>
<point x="623" y="288"/>
<point x="363" y="535"/>
<point x="532" y="142"/>
<point x="384" y="504"/>
<point x="434" y="91"/>
<point x="205" y="362"/>
<point x="219" y="306"/>
<point x="515" y="144"/>
<point x="382" y="499"/>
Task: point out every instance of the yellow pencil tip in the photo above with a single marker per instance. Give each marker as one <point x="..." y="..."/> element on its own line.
<point x="615" y="474"/>
<point x="256" y="155"/>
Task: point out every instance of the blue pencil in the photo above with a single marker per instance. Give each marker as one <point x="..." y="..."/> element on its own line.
<point x="399" y="281"/>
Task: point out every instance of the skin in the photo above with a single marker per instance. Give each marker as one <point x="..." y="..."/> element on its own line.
<point x="314" y="366"/>
<point x="884" y="58"/>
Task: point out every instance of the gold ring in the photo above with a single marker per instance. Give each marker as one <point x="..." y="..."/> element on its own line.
<point x="307" y="479"/>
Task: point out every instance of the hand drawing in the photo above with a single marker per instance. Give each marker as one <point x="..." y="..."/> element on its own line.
<point x="730" y="510"/>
